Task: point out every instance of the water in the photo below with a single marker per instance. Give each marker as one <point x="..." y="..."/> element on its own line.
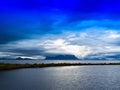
<point x="62" y="78"/>
<point x="58" y="61"/>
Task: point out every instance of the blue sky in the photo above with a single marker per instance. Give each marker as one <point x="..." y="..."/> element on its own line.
<point x="39" y="28"/>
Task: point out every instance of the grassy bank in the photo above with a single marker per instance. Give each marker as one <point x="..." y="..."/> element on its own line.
<point x="7" y="66"/>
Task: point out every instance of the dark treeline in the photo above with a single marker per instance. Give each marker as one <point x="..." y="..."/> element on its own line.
<point x="7" y="66"/>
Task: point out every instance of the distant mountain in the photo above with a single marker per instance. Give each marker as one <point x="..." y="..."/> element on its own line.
<point x="98" y="56"/>
<point x="61" y="57"/>
<point x="20" y="58"/>
<point x="103" y="56"/>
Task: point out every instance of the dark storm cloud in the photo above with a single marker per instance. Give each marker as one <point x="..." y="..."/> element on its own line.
<point x="27" y="52"/>
<point x="7" y="37"/>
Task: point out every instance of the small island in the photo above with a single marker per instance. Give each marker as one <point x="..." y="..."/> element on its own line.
<point x="7" y="66"/>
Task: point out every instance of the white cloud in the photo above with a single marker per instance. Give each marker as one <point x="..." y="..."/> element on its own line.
<point x="93" y="38"/>
<point x="79" y="44"/>
<point x="113" y="35"/>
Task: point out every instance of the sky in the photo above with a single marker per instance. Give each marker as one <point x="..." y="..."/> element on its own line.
<point x="40" y="28"/>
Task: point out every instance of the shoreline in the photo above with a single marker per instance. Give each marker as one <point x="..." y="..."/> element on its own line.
<point x="8" y="66"/>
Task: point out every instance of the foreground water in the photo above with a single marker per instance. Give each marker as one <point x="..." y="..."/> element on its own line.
<point x="62" y="78"/>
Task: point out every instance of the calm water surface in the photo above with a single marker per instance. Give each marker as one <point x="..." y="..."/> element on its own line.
<point x="59" y="61"/>
<point x="62" y="78"/>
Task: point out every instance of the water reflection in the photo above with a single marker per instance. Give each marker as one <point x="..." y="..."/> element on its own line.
<point x="62" y="78"/>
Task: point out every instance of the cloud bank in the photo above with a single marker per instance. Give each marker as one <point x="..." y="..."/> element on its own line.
<point x="81" y="44"/>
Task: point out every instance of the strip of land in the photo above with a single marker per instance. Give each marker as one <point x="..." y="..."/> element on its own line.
<point x="7" y="66"/>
